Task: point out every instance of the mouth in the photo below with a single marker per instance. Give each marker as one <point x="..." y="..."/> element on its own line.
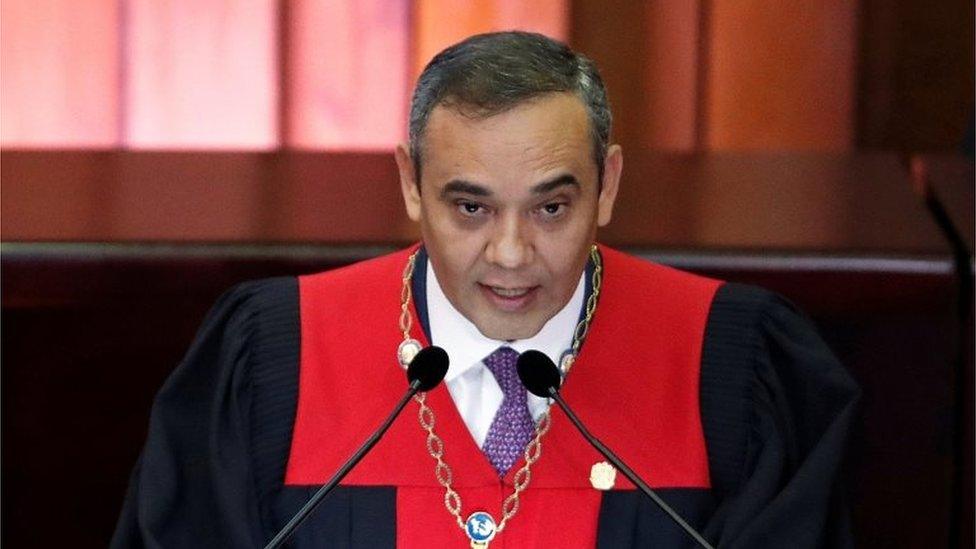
<point x="509" y="292"/>
<point x="509" y="299"/>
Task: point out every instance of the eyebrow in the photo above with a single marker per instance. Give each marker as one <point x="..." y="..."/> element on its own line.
<point x="461" y="186"/>
<point x="554" y="183"/>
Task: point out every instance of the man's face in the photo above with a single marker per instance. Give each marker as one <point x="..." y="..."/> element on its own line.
<point x="508" y="209"/>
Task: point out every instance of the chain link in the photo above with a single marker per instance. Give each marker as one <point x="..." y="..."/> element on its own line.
<point x="405" y="295"/>
<point x="442" y="471"/>
<point x="533" y="450"/>
<point x="584" y="325"/>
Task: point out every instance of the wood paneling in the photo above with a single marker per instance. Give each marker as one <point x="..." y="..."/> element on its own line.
<point x="716" y="75"/>
<point x="347" y="72"/>
<point x="440" y="23"/>
<point x="670" y="77"/>
<point x="915" y="74"/>
<point x="614" y="34"/>
<point x="720" y="75"/>
<point x="746" y="202"/>
<point x="766" y="202"/>
<point x="61" y="69"/>
<point x="201" y="74"/>
<point x="196" y="196"/>
<point x="648" y="55"/>
<point x="781" y="75"/>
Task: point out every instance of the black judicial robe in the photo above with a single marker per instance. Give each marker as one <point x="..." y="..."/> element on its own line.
<point x="721" y="396"/>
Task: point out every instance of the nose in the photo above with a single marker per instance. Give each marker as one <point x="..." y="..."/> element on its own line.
<point x="510" y="246"/>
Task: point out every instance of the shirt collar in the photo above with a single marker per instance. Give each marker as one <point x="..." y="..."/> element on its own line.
<point x="466" y="346"/>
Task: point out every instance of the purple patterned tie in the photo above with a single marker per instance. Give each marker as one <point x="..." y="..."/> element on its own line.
<point x="513" y="427"/>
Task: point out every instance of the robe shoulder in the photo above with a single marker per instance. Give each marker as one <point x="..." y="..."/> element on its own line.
<point x="220" y="427"/>
<point x="777" y="407"/>
<point x="358" y="281"/>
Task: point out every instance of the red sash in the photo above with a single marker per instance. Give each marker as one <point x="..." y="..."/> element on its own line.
<point x="635" y="385"/>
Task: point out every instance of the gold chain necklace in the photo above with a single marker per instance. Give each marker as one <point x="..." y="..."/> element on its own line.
<point x="480" y="526"/>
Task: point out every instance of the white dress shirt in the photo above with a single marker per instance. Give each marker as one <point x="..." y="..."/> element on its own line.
<point x="473" y="388"/>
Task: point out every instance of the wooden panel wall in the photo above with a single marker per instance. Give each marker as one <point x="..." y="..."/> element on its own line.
<point x="724" y="75"/>
<point x="691" y="75"/>
<point x="440" y="23"/>
<point x="48" y="98"/>
<point x="347" y="74"/>
<point x="780" y="75"/>
<point x="915" y="74"/>
<point x="200" y="74"/>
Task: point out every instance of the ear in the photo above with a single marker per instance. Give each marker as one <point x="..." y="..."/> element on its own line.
<point x="613" y="164"/>
<point x="408" y="181"/>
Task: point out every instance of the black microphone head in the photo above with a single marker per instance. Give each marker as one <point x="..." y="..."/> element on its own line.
<point x="538" y="373"/>
<point x="428" y="368"/>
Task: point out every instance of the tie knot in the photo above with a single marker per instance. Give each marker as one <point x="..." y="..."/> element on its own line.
<point x="501" y="363"/>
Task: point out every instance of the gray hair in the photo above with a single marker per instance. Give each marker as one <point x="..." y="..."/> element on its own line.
<point x="487" y="74"/>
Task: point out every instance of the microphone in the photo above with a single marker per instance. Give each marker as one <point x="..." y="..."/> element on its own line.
<point x="541" y="377"/>
<point x="425" y="371"/>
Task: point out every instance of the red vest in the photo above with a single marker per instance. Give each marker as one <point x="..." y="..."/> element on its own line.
<point x="634" y="384"/>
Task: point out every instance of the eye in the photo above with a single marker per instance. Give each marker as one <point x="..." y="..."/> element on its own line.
<point x="552" y="210"/>
<point x="470" y="209"/>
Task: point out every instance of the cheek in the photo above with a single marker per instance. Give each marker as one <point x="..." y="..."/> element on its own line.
<point x="566" y="255"/>
<point x="557" y="257"/>
<point x="457" y="252"/>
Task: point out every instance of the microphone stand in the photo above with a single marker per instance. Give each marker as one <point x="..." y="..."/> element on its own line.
<point x="326" y="488"/>
<point x="627" y="471"/>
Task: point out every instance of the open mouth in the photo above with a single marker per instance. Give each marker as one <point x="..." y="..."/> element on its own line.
<point x="509" y="298"/>
<point x="510" y="292"/>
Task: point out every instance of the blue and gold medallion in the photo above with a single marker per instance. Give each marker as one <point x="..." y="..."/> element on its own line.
<point x="481" y="528"/>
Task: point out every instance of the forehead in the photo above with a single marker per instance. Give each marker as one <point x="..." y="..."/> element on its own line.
<point x="538" y="137"/>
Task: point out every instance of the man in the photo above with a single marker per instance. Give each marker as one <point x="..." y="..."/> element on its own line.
<point x="719" y="395"/>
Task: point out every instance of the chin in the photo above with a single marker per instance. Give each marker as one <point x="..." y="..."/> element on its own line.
<point x="505" y="331"/>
